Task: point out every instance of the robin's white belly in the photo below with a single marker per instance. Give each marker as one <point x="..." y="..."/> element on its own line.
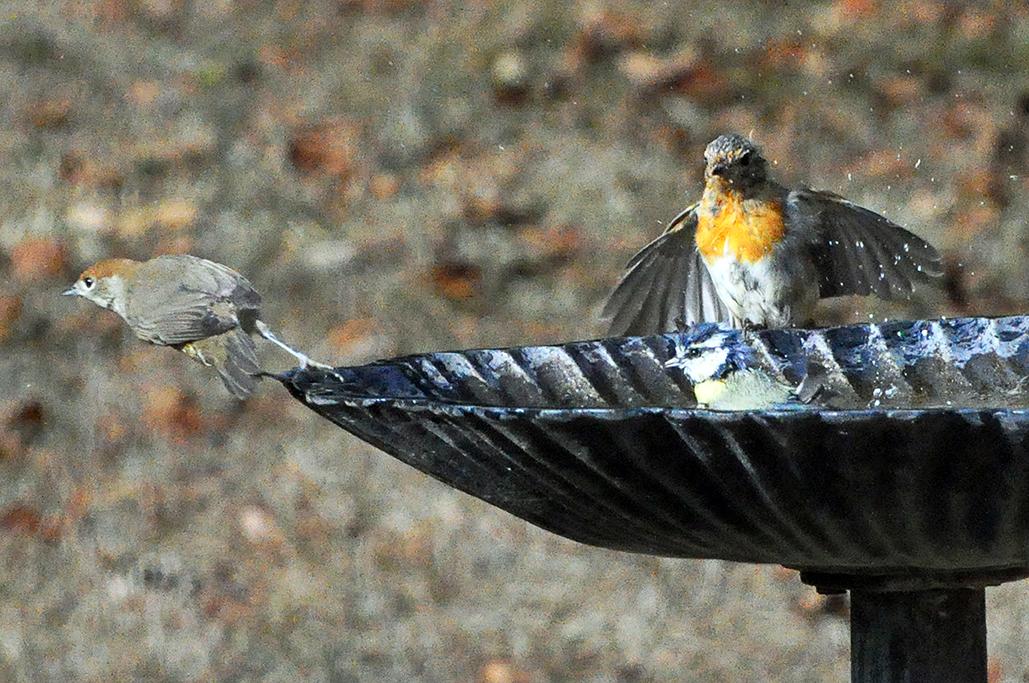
<point x="771" y="291"/>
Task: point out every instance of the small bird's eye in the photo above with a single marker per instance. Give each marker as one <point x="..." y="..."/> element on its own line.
<point x="745" y="159"/>
<point x="88" y="282"/>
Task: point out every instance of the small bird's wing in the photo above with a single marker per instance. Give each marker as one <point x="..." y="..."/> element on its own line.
<point x="179" y="299"/>
<point x="857" y="251"/>
<point x="665" y="280"/>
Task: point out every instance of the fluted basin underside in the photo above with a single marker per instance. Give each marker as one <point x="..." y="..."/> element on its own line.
<point x="594" y="441"/>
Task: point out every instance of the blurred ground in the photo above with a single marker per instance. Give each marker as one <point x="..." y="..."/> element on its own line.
<point x="401" y="176"/>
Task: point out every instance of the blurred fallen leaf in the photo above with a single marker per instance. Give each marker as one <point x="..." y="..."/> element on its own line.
<point x="782" y="53"/>
<point x="259" y="527"/>
<point x="456" y="281"/>
<point x="50" y="114"/>
<point x="901" y="90"/>
<point x="87" y="217"/>
<point x="27" y="420"/>
<point x="143" y="93"/>
<point x="353" y="334"/>
<point x="994" y="671"/>
<point x="380" y="6"/>
<point x="603" y="31"/>
<point x="77" y="168"/>
<point x="313" y="529"/>
<point x="175" y="214"/>
<point x="174" y="243"/>
<point x="857" y="8"/>
<point x="52" y="529"/>
<point x="383" y="185"/>
<point x="199" y="141"/>
<point x="169" y="214"/>
<point x="20" y="518"/>
<point x="10" y="311"/>
<point x="976" y="24"/>
<point x="415" y="546"/>
<point x="704" y="83"/>
<point x="533" y="330"/>
<point x="502" y="671"/>
<point x="648" y="72"/>
<point x="226" y="609"/>
<point x="169" y="411"/>
<point x="509" y="75"/>
<point x="809" y="602"/>
<point x="37" y="258"/>
<point x="328" y="147"/>
<point x="560" y="242"/>
<point x="972" y="220"/>
<point x="11" y="446"/>
<point x="113" y="428"/>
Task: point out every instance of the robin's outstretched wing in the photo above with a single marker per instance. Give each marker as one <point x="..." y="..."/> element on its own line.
<point x="665" y="280"/>
<point x="857" y="251"/>
<point x="179" y="299"/>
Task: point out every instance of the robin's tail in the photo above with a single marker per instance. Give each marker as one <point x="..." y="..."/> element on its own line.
<point x="234" y="355"/>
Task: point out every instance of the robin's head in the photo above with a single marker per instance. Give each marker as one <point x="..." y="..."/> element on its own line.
<point x="710" y="352"/>
<point x="734" y="160"/>
<point x="104" y="283"/>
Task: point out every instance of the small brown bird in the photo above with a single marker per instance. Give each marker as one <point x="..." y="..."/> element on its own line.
<point x="202" y="308"/>
<point x="756" y="254"/>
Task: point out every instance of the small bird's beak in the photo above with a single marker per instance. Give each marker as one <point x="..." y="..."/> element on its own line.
<point x="71" y="291"/>
<point x="718" y="169"/>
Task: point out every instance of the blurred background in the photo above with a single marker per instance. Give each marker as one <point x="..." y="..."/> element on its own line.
<point x="399" y="176"/>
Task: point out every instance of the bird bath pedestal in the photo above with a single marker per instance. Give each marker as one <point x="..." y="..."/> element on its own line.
<point x="914" y="501"/>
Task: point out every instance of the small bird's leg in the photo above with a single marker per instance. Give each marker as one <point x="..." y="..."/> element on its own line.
<point x="304" y="361"/>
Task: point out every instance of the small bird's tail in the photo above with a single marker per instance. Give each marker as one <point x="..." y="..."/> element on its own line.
<point x="239" y="370"/>
<point x="234" y="355"/>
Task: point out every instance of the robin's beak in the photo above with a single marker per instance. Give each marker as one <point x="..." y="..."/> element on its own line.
<point x="71" y="291"/>
<point x="719" y="169"/>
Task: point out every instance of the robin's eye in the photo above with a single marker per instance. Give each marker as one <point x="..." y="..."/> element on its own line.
<point x="745" y="159"/>
<point x="88" y="282"/>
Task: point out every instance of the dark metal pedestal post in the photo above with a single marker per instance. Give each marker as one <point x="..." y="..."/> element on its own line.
<point x="923" y="636"/>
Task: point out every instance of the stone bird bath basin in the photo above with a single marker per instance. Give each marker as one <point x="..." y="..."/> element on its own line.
<point x="914" y="497"/>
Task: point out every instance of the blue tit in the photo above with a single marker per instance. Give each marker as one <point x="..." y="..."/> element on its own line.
<point x="726" y="375"/>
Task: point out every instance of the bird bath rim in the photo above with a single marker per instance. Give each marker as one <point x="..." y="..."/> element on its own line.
<point x="614" y="413"/>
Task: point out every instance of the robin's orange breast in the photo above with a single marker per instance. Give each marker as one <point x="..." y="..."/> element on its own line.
<point x="745" y="229"/>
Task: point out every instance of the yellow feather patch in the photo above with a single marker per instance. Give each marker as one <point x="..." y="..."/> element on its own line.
<point x="747" y="231"/>
<point x="708" y="392"/>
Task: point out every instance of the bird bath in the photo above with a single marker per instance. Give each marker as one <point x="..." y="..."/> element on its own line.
<point x="914" y="499"/>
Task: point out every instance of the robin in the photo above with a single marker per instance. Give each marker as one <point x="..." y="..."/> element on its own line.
<point x="755" y="254"/>
<point x="202" y="308"/>
<point x="726" y="375"/>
